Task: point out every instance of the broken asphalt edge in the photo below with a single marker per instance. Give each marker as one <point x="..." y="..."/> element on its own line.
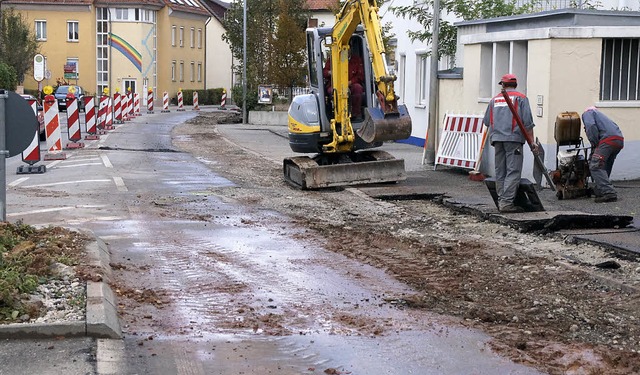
<point x="101" y="316"/>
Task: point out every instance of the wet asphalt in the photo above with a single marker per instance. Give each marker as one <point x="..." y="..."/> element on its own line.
<point x="449" y="186"/>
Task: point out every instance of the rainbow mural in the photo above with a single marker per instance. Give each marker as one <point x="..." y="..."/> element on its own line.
<point x="127" y="50"/>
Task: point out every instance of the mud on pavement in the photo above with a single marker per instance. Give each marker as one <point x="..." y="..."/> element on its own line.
<point x="542" y="300"/>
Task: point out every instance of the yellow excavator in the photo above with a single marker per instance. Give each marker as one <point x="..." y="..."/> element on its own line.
<point x="334" y="124"/>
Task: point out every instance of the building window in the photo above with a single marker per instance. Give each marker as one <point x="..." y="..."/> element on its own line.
<point x="72" y="31"/>
<point x="620" y="69"/>
<point x="181" y="71"/>
<point x="173" y="71"/>
<point x="41" y="30"/>
<point x="122" y="14"/>
<point x="498" y="59"/>
<point x="422" y="78"/>
<point x="181" y="36"/>
<point x="199" y="38"/>
<point x="193" y="71"/>
<point x="313" y="22"/>
<point x="173" y="36"/>
<point x="199" y="72"/>
<point x="193" y="37"/>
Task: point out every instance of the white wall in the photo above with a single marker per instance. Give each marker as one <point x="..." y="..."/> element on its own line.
<point x="218" y="58"/>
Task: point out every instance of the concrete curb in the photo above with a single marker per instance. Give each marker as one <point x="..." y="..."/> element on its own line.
<point x="101" y="319"/>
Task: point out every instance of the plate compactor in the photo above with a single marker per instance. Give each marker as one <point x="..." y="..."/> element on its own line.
<point x="572" y="166"/>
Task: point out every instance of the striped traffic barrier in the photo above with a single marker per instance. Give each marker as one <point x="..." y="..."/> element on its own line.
<point x="223" y="101"/>
<point x="52" y="129"/>
<point x="117" y="108"/>
<point x="180" y="101"/>
<point x="108" y="123"/>
<point x="136" y="104"/>
<point x="150" y="101"/>
<point x="165" y="102"/>
<point x="73" y="123"/>
<point x="461" y="141"/>
<point x="102" y="114"/>
<point x="31" y="155"/>
<point x="196" y="107"/>
<point x="90" y="118"/>
<point x="129" y="106"/>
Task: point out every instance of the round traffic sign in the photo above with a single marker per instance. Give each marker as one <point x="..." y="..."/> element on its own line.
<point x="20" y="125"/>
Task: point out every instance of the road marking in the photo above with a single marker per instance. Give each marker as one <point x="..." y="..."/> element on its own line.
<point x="41" y="211"/>
<point x="67" y="183"/>
<point x="120" y="184"/>
<point x="54" y="209"/>
<point x="106" y="161"/>
<point x="110" y="357"/>
<point x="54" y="163"/>
<point x="18" y="181"/>
<point x="78" y="165"/>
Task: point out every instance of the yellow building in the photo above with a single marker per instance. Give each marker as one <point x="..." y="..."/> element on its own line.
<point x="120" y="45"/>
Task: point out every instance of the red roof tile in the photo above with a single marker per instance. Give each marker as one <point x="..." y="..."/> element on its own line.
<point x="322" y="4"/>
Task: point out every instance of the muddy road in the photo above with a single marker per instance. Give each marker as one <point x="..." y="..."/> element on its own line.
<point x="219" y="267"/>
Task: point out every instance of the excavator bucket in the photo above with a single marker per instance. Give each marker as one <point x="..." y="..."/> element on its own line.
<point x="379" y="127"/>
<point x="365" y="167"/>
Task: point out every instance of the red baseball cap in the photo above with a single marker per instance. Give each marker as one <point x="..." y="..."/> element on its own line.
<point x="508" y="78"/>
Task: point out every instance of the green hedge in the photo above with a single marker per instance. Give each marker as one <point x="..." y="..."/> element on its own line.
<point x="205" y="97"/>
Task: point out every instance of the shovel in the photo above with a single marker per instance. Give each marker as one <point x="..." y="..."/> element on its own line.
<point x="538" y="164"/>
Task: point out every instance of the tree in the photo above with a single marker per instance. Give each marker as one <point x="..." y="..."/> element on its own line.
<point x="8" y="78"/>
<point x="468" y="10"/>
<point x="464" y="9"/>
<point x="18" y="43"/>
<point x="262" y="30"/>
<point x="288" y="62"/>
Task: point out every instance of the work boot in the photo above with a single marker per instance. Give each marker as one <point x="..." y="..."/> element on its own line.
<point x="606" y="198"/>
<point x="510" y="208"/>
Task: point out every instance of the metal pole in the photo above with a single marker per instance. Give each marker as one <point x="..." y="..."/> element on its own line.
<point x="430" y="149"/>
<point x="4" y="95"/>
<point x="244" y="63"/>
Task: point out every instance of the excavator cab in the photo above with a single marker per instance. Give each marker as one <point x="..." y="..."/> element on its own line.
<point x="317" y="121"/>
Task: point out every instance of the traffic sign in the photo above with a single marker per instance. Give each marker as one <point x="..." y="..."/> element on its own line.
<point x="38" y="67"/>
<point x="20" y="123"/>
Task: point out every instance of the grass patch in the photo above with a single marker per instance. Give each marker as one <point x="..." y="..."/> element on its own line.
<point x="26" y="256"/>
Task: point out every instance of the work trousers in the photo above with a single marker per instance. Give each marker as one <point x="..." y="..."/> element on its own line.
<point x="508" y="159"/>
<point x="600" y="166"/>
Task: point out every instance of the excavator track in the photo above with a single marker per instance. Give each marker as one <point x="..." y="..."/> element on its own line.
<point x="364" y="167"/>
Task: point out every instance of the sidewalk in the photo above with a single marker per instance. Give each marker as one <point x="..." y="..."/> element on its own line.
<point x="452" y="187"/>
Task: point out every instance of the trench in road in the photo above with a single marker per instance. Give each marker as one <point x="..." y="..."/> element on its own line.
<point x="231" y="289"/>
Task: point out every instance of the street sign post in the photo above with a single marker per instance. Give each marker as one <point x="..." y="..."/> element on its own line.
<point x="38" y="67"/>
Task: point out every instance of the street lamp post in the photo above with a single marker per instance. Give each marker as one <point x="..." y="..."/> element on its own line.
<point x="244" y="63"/>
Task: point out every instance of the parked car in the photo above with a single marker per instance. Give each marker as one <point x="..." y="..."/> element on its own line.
<point x="39" y="116"/>
<point x="61" y="96"/>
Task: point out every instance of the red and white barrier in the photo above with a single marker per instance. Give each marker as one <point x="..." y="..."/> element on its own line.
<point x="90" y="118"/>
<point x="136" y="104"/>
<point x="196" y="106"/>
<point x="73" y="124"/>
<point x="150" y="102"/>
<point x="108" y="123"/>
<point x="165" y="102"/>
<point x="102" y="114"/>
<point x="180" y="101"/>
<point x="223" y="102"/>
<point x="461" y="141"/>
<point x="130" y="113"/>
<point x="117" y="108"/>
<point x="31" y="155"/>
<point x="52" y="130"/>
